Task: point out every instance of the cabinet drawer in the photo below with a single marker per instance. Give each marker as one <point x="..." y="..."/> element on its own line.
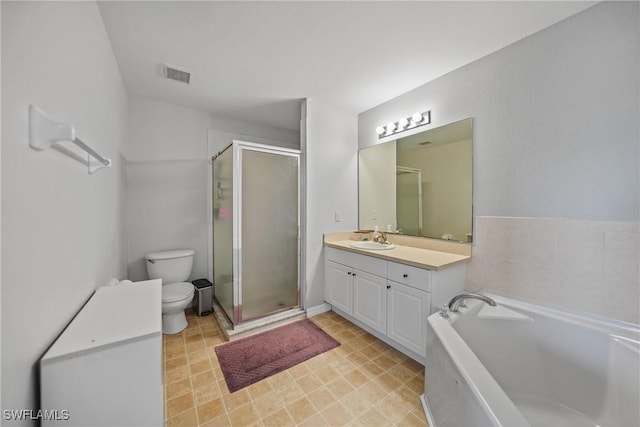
<point x="418" y="278"/>
<point x="361" y="262"/>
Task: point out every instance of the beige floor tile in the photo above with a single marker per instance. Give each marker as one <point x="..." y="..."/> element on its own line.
<point x="201" y="366"/>
<point x="176" y="374"/>
<point x="340" y="387"/>
<point x="299" y="371"/>
<point x="356" y="378"/>
<point x="176" y="362"/>
<point x="387" y="381"/>
<point x="175" y="352"/>
<point x="401" y="372"/>
<point x="289" y="393"/>
<point x="280" y="379"/>
<point x="279" y="419"/>
<point x="259" y="389"/>
<point x="315" y="421"/>
<point x="373" y="391"/>
<point x="322" y="398"/>
<point x="326" y="374"/>
<point x="372" y="418"/>
<point x="210" y="410"/>
<point x="356" y="402"/>
<point x="236" y="399"/>
<point x="243" y="416"/>
<point x="268" y="404"/>
<point x="301" y="409"/>
<point x="203" y="378"/>
<point x="363" y="382"/>
<point x="179" y="404"/>
<point x="309" y="383"/>
<point x="178" y="388"/>
<point x="411" y="420"/>
<point x="393" y="407"/>
<point x="219" y="421"/>
<point x="336" y="415"/>
<point x="185" y="419"/>
<point x="206" y="393"/>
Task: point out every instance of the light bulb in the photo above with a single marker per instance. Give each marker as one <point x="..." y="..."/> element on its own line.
<point x="391" y="127"/>
<point x="403" y="123"/>
<point x="380" y="130"/>
<point x="416" y="117"/>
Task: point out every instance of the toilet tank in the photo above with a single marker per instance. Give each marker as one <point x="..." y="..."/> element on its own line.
<point x="170" y="266"/>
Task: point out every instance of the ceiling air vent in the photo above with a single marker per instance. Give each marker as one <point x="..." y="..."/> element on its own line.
<point x="177" y="74"/>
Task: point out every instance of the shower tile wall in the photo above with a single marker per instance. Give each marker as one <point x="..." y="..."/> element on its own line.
<point x="584" y="265"/>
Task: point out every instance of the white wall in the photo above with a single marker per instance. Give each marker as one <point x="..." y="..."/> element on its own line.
<point x="166" y="183"/>
<point x="556" y="135"/>
<point x="62" y="229"/>
<point x="330" y="155"/>
<point x="168" y="178"/>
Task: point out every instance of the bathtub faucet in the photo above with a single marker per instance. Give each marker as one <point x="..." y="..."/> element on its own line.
<point x="458" y="301"/>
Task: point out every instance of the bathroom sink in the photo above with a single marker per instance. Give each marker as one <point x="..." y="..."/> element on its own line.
<point x="374" y="246"/>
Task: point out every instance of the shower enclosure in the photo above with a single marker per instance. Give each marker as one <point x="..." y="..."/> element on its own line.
<point x="256" y="217"/>
<point x="409" y="200"/>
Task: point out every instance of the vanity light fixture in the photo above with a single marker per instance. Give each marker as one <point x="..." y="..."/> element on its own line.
<point x="416" y="119"/>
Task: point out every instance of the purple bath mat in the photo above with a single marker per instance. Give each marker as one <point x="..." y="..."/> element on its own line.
<point x="254" y="358"/>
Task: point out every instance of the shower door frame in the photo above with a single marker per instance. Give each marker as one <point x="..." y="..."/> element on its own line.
<point x="418" y="172"/>
<point x="238" y="147"/>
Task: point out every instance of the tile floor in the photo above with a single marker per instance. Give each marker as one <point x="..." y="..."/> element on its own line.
<point x="363" y="382"/>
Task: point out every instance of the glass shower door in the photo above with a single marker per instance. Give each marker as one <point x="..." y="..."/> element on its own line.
<point x="223" y="230"/>
<point x="268" y="213"/>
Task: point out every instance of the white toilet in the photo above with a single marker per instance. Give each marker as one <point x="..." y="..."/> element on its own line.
<point x="173" y="267"/>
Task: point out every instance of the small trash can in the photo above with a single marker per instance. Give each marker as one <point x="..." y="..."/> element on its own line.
<point x="203" y="297"/>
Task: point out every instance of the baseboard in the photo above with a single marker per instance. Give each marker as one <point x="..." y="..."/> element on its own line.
<point x="318" y="309"/>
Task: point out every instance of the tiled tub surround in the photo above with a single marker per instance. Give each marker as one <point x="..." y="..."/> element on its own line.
<point x="363" y="382"/>
<point x="590" y="266"/>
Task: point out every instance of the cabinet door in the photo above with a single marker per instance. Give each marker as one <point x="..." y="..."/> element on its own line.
<point x="408" y="309"/>
<point x="339" y="286"/>
<point x="370" y="300"/>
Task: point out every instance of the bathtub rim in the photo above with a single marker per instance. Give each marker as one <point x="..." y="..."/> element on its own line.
<point x="488" y="392"/>
<point x="493" y="400"/>
<point x="611" y="326"/>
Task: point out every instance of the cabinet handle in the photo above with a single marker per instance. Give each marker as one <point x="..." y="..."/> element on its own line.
<point x="354" y="274"/>
<point x="349" y="273"/>
<point x="405" y="275"/>
<point x="388" y="286"/>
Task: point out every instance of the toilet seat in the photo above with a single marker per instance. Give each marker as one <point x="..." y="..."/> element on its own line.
<point x="177" y="291"/>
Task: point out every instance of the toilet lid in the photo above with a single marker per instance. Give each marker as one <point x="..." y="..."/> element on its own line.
<point x="176" y="291"/>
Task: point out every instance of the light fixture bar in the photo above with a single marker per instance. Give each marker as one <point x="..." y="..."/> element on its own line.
<point x="416" y="119"/>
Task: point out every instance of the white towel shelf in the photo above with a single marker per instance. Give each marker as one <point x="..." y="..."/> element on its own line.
<point x="45" y="133"/>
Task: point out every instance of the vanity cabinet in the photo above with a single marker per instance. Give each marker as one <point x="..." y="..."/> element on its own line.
<point x="391" y="300"/>
<point x="408" y="309"/>
<point x="370" y="300"/>
<point x="339" y="290"/>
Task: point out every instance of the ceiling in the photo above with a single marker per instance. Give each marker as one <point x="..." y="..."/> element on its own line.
<point x="256" y="61"/>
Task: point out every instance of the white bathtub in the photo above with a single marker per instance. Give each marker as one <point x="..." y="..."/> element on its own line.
<point x="520" y="364"/>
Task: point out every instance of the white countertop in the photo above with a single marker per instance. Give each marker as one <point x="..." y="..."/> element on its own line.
<point x="113" y="314"/>
<point x="417" y="257"/>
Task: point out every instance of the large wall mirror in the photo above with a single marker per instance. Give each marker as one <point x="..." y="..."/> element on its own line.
<point x="420" y="185"/>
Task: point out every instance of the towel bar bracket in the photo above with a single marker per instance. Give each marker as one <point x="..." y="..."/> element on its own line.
<point x="44" y="132"/>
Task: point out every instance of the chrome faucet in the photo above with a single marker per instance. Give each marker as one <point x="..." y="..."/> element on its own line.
<point x="382" y="238"/>
<point x="458" y="301"/>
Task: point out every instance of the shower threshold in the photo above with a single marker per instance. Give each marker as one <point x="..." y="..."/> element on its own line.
<point x="252" y="327"/>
